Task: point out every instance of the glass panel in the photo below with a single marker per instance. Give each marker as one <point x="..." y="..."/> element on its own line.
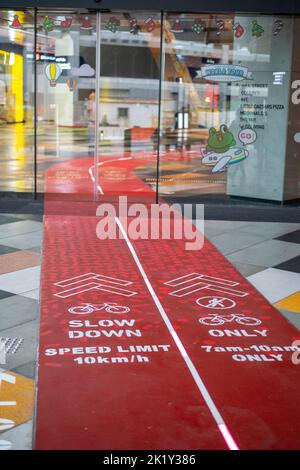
<point x="128" y="111"/>
<point x="225" y="93"/>
<point x="292" y="163"/>
<point x="16" y="100"/>
<point x="225" y="98"/>
<point x="66" y="63"/>
<point x="260" y="104"/>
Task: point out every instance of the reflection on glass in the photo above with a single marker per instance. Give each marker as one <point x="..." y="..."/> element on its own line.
<point x="66" y="61"/>
<point x="227" y="125"/>
<point x="16" y="100"/>
<point x="129" y="90"/>
<point x="224" y="77"/>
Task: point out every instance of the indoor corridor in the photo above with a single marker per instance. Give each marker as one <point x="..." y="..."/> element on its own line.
<point x="149" y="229"/>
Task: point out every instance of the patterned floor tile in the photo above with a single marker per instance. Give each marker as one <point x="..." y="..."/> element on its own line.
<point x="6" y="219"/>
<point x="28" y="370"/>
<point x="18" y="260"/>
<point x="290" y="303"/>
<point x="210" y="230"/>
<point x="32" y="294"/>
<point x="6" y="249"/>
<point x="248" y="269"/>
<point x="290" y="265"/>
<point x="4" y="294"/>
<point x="19" y="390"/>
<point x="268" y="253"/>
<point x="233" y="241"/>
<point x="20" y="281"/>
<point x="275" y="284"/>
<point x="293" y="237"/>
<point x="27" y="350"/>
<point x="36" y="249"/>
<point x="18" y="228"/>
<point x="20" y="437"/>
<point x="36" y="217"/>
<point x="269" y="229"/>
<point x="16" y="310"/>
<point x="225" y="225"/>
<point x="25" y="241"/>
<point x="291" y="317"/>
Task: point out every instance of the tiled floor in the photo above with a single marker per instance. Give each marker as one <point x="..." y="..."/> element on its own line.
<point x="268" y="254"/>
<point x="20" y="247"/>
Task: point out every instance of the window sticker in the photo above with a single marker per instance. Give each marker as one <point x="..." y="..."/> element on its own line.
<point x="71" y="84"/>
<point x="66" y="23"/>
<point x="16" y="23"/>
<point x="277" y="27"/>
<point x="221" y="149"/>
<point x="86" y="24"/>
<point x="257" y="29"/>
<point x="48" y="24"/>
<point x="238" y="29"/>
<point x="53" y="72"/>
<point x="220" y="26"/>
<point x="150" y="24"/>
<point x="198" y="27"/>
<point x="177" y="27"/>
<point x="112" y="24"/>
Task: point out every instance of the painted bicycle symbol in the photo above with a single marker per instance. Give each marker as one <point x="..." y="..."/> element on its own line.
<point x="110" y="307"/>
<point x="214" y="319"/>
<point x="215" y="302"/>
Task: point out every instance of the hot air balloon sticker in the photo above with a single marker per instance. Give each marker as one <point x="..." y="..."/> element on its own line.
<point x="53" y="72"/>
<point x="71" y="84"/>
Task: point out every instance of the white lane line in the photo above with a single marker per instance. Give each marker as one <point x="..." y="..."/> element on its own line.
<point x="91" y="169"/>
<point x="202" y="388"/>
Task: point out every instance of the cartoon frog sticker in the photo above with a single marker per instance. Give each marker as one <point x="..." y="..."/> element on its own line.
<point x="221" y="149"/>
<point x="220" y="141"/>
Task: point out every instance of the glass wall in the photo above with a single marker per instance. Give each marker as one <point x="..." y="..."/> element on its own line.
<point x="225" y="105"/>
<point x="129" y="102"/>
<point x="202" y="104"/>
<point x="16" y="100"/>
<point x="66" y="68"/>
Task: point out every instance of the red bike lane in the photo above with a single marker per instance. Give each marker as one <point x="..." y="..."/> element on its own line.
<point x="243" y="376"/>
<point x="109" y="380"/>
<point x="246" y="361"/>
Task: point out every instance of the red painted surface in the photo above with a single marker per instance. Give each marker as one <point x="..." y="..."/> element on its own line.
<point x="73" y="179"/>
<point x="142" y="133"/>
<point x="110" y="406"/>
<point x="154" y="404"/>
<point x="259" y="401"/>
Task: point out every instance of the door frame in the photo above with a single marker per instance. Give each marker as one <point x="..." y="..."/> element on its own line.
<point x="203" y="6"/>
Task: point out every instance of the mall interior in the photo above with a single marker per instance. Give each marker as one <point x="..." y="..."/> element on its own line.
<point x="139" y="342"/>
<point x="152" y="86"/>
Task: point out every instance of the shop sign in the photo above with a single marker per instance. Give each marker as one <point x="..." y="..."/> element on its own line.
<point x="224" y="73"/>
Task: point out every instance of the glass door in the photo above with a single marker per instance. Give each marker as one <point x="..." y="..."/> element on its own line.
<point x="128" y="103"/>
<point x="95" y="103"/>
<point x="192" y="105"/>
<point x="98" y="78"/>
<point x="16" y="100"/>
<point x="66" y="103"/>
